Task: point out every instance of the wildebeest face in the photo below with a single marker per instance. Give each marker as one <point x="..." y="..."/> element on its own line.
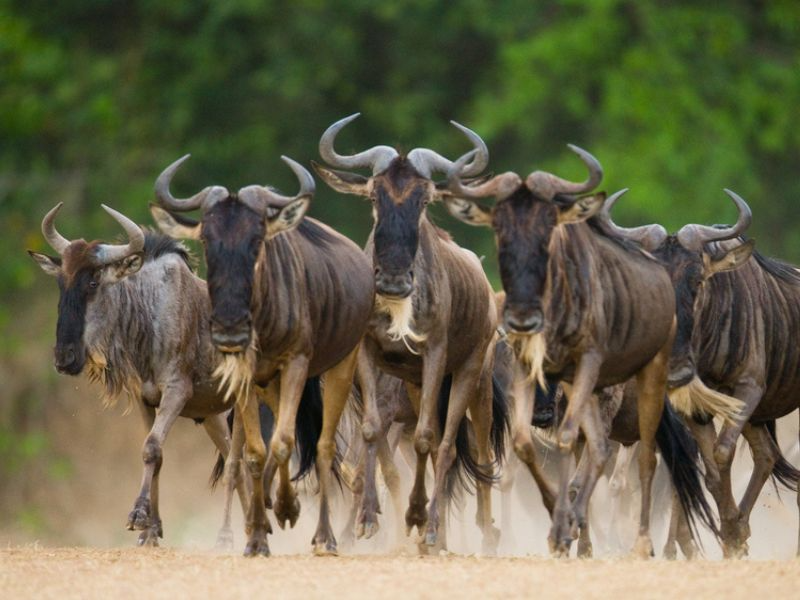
<point x="689" y="270"/>
<point x="399" y="197"/>
<point x="524" y="223"/>
<point x="233" y="230"/>
<point x="81" y="278"/>
<point x="233" y="235"/>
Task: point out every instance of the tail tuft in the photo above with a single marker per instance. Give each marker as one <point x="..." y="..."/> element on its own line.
<point x="783" y="472"/>
<point x="680" y="453"/>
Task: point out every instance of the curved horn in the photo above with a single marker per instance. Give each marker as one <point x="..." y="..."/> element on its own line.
<point x="110" y="253"/>
<point x="693" y="237"/>
<point x="376" y="158"/>
<point x="427" y="161"/>
<point x="548" y="185"/>
<point x="168" y="201"/>
<point x="649" y="237"/>
<point x="499" y="186"/>
<point x="57" y="241"/>
<point x="260" y="198"/>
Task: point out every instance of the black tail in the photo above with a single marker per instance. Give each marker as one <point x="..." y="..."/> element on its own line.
<point x="783" y="472"/>
<point x="501" y="424"/>
<point x="267" y="421"/>
<point x="679" y="451"/>
<point x="308" y="426"/>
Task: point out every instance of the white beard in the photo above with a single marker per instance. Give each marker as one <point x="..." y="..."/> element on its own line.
<point x="235" y="374"/>
<point x="401" y="315"/>
<point x="531" y="351"/>
<point x="696" y="397"/>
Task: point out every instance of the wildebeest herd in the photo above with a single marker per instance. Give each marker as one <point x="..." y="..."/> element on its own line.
<point x="601" y="333"/>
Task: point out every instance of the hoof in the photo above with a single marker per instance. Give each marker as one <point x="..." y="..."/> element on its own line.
<point x="670" y="551"/>
<point x="139" y="517"/>
<point x="431" y="538"/>
<point x="643" y="548"/>
<point x="490" y="541"/>
<point x="148" y="538"/>
<point x="224" y="540"/>
<point x="287" y="509"/>
<point x="366" y="523"/>
<point x="416" y="516"/>
<point x="585" y="549"/>
<point x="257" y="546"/>
<point x="322" y="547"/>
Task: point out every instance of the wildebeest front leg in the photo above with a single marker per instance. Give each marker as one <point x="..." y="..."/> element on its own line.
<point x="338" y="382"/>
<point x="480" y="411"/>
<point x="255" y="456"/>
<point x="734" y="529"/>
<point x="524" y="397"/>
<point x="680" y="534"/>
<point x="594" y="456"/>
<point x="764" y="458"/>
<point x="466" y="386"/>
<point x="217" y="428"/>
<point x="579" y="394"/>
<point x="425" y="435"/>
<point x="366" y="524"/>
<point x="145" y="515"/>
<point x="651" y="387"/>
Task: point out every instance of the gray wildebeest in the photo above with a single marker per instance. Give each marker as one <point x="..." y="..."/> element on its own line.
<point x="289" y="302"/>
<point x="586" y="307"/>
<point x="433" y="326"/>
<point x="738" y="319"/>
<point x="134" y="317"/>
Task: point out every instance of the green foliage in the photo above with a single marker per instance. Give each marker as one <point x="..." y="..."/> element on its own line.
<point x="678" y="100"/>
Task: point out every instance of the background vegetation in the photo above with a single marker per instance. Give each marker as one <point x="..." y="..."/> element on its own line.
<point x="677" y="100"/>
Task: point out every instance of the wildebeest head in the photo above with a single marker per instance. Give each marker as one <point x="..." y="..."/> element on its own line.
<point x="690" y="262"/>
<point x="233" y="229"/>
<point x="524" y="217"/>
<point x="400" y="188"/>
<point x="83" y="269"/>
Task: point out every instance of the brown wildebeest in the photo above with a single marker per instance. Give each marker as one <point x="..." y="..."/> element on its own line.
<point x="289" y="301"/>
<point x="587" y="307"/>
<point x="619" y="417"/>
<point x="737" y="313"/>
<point x="433" y="325"/>
<point x="134" y="317"/>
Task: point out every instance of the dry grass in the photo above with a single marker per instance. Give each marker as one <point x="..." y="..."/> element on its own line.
<point x="28" y="572"/>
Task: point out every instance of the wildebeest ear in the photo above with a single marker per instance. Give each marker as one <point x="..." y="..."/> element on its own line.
<point x="342" y="181"/>
<point x="176" y="226"/>
<point x="582" y="209"/>
<point x="733" y="259"/>
<point x="123" y="268"/>
<point x="468" y="211"/>
<point x="49" y="264"/>
<point x="288" y="217"/>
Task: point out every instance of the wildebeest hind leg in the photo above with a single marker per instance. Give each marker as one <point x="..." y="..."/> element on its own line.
<point x="231" y="477"/>
<point x="338" y="382"/>
<point x="144" y="515"/>
<point x="651" y="387"/>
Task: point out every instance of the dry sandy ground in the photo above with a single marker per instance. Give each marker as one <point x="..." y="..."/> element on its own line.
<point x="36" y="572"/>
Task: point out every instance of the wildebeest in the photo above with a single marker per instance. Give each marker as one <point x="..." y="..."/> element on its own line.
<point x="582" y="305"/>
<point x="434" y="321"/>
<point x="289" y="300"/>
<point x="738" y="319"/>
<point x="134" y="317"/>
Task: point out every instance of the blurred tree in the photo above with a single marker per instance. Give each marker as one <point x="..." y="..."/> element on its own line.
<point x="677" y="100"/>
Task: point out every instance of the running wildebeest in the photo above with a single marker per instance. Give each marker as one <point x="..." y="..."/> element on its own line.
<point x="433" y="325"/>
<point x="134" y="317"/>
<point x="738" y="317"/>
<point x="590" y="308"/>
<point x="289" y="301"/>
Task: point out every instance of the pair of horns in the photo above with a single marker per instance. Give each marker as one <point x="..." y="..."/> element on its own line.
<point x="258" y="198"/>
<point x="105" y="253"/>
<point x="425" y="161"/>
<point x="543" y="184"/>
<point x="691" y="237"/>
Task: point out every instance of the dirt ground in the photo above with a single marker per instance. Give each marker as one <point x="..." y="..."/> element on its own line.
<point x="37" y="572"/>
